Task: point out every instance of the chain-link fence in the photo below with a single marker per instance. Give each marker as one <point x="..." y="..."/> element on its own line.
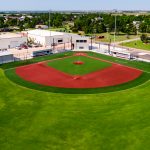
<point x="25" y="54"/>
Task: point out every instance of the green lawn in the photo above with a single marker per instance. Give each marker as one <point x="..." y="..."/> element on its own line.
<point x="137" y="44"/>
<point x="110" y="36"/>
<point x="36" y="120"/>
<point x="67" y="65"/>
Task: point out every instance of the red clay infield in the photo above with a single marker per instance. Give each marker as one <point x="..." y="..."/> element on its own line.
<point x="42" y="74"/>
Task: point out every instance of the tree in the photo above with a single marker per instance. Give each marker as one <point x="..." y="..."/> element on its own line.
<point x="130" y="29"/>
<point x="143" y="27"/>
<point x="12" y="22"/>
<point x="101" y="28"/>
<point x="145" y="38"/>
<point x="74" y="29"/>
<point x="1" y="22"/>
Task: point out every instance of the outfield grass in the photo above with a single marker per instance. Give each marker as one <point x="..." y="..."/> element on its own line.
<point x="36" y="120"/>
<point x="137" y="44"/>
<point x="89" y="65"/>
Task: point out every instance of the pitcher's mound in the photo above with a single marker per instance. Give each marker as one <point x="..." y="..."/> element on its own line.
<point x="77" y="77"/>
<point x="78" y="62"/>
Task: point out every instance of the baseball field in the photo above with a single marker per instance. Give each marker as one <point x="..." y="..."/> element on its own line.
<point x="75" y="101"/>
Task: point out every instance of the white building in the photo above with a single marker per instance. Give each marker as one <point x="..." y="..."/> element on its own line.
<point x="45" y="38"/>
<point x="48" y="38"/>
<point x="11" y="40"/>
<point x="80" y="42"/>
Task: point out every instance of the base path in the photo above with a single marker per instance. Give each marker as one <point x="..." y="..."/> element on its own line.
<point x="42" y="74"/>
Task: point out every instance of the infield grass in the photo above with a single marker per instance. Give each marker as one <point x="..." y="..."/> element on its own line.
<point x="89" y="65"/>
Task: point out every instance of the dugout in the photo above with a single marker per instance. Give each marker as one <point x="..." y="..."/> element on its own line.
<point x="6" y="57"/>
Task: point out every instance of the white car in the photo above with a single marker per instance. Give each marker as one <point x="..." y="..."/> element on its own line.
<point x="18" y="47"/>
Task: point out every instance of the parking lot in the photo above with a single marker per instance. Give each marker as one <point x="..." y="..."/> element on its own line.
<point x="27" y="53"/>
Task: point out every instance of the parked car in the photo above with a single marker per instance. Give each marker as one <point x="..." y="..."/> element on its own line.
<point x="18" y="47"/>
<point x="101" y="37"/>
<point x="36" y="45"/>
<point x="24" y="46"/>
<point x="30" y="46"/>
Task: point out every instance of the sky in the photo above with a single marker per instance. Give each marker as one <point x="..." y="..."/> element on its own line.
<point x="74" y="4"/>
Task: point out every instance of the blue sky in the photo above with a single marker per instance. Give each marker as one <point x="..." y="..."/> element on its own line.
<point x="74" y="4"/>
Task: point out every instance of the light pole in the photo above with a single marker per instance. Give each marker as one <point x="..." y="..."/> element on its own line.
<point x="49" y="19"/>
<point x="137" y="28"/>
<point x="91" y="42"/>
<point x="115" y="29"/>
<point x="49" y="26"/>
<point x="107" y="32"/>
<point x="147" y="29"/>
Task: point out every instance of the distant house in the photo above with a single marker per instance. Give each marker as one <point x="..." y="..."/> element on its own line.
<point x="70" y="23"/>
<point x="136" y="24"/>
<point x="30" y="17"/>
<point x="10" y="17"/>
<point x="99" y="19"/>
<point x="22" y="18"/>
<point x="41" y="26"/>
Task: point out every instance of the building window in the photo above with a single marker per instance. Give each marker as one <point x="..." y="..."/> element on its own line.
<point x="60" y="41"/>
<point x="81" y="41"/>
<point x="81" y="47"/>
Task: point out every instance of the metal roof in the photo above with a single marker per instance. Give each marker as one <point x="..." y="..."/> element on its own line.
<point x="40" y="32"/>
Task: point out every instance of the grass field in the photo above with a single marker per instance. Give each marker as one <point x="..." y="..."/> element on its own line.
<point x="89" y="65"/>
<point x="137" y="44"/>
<point x="110" y="37"/>
<point x="36" y="120"/>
